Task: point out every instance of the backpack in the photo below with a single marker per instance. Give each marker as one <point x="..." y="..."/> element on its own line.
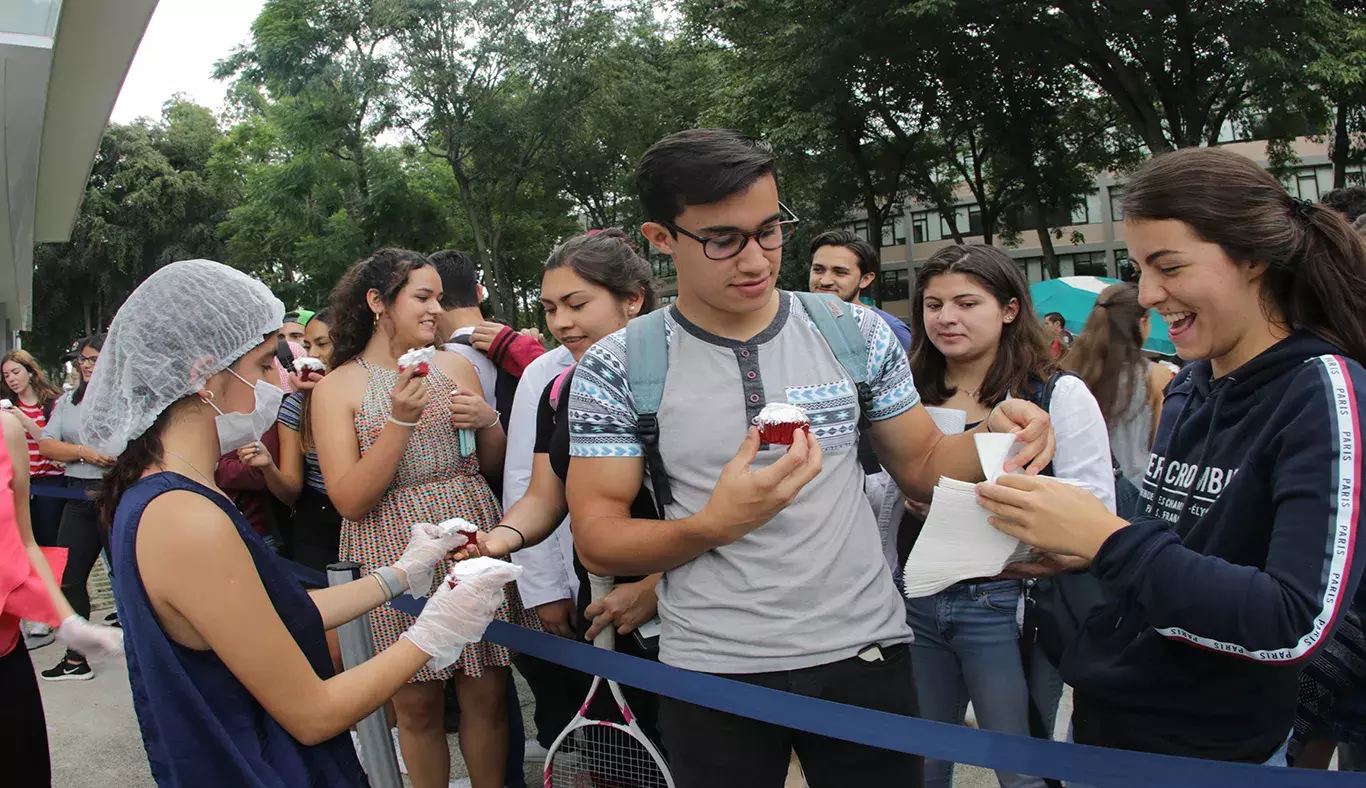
<point x="647" y="366"/>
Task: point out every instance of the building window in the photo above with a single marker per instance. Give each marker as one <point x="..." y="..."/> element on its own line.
<point x="894" y="230"/>
<point x="1128" y="272"/>
<point x="944" y="231"/>
<point x="664" y="267"/>
<point x="920" y="227"/>
<point x="860" y="229"/>
<point x="1082" y="213"/>
<point x="1308" y="185"/>
<point x="1116" y="204"/>
<point x="1089" y="264"/>
<point x="896" y="286"/>
<point x="974" y="220"/>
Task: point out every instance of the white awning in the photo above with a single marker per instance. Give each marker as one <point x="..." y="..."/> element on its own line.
<point x="62" y="64"/>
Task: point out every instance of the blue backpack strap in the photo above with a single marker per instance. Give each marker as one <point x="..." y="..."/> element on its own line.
<point x="647" y="366"/>
<point x="837" y="324"/>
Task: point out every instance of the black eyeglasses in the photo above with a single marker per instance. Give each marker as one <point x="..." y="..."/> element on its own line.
<point x="724" y="246"/>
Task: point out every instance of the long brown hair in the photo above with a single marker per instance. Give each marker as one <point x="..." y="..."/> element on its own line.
<point x="385" y="270"/>
<point x="1315" y="260"/>
<point x="1021" y="357"/>
<point x="41" y="385"/>
<point x="1109" y="353"/>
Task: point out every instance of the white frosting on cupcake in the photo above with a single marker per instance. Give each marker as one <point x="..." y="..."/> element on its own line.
<point x="457" y="524"/>
<point x="416" y="356"/>
<point x="781" y="413"/>
<point x="473" y="567"/>
<point x="309" y="364"/>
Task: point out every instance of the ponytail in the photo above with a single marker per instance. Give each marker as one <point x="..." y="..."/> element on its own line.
<point x="1316" y="264"/>
<point x="1324" y="290"/>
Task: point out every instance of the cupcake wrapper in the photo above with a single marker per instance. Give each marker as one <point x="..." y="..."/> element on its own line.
<point x="780" y="433"/>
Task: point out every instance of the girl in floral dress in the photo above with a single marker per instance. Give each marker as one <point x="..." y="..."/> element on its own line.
<point x="388" y="444"/>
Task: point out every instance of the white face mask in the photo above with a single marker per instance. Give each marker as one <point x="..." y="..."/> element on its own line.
<point x="236" y="430"/>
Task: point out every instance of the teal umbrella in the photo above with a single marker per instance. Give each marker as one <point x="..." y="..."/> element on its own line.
<point x="1073" y="297"/>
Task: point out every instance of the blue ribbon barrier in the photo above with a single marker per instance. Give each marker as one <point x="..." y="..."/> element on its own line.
<point x="1095" y="766"/>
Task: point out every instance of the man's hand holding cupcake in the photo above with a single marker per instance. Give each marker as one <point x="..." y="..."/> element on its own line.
<point x="745" y="499"/>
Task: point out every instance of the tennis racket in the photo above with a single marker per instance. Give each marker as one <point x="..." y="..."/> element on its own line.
<point x="592" y="753"/>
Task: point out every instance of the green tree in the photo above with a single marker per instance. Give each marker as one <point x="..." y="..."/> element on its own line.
<point x="1178" y="70"/>
<point x="484" y="87"/>
<point x="149" y="202"/>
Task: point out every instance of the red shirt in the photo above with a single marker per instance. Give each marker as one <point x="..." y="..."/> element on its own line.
<point x="38" y="465"/>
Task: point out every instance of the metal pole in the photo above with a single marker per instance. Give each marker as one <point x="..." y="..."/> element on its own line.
<point x="357" y="641"/>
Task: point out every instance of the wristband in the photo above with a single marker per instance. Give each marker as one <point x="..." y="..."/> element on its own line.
<point x="497" y="418"/>
<point x="388" y="578"/>
<point x="401" y="423"/>
<point x="514" y="530"/>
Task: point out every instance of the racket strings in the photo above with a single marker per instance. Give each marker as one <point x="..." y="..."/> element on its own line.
<point x="601" y="756"/>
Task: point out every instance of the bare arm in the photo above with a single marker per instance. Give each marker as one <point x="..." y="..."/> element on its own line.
<point x="491" y="440"/>
<point x="207" y="594"/>
<point x="536" y="514"/>
<point x="17" y="447"/>
<point x="340" y="604"/>
<point x="285" y="474"/>
<point x="30" y="426"/>
<point x="355" y="483"/>
<point x="916" y="453"/>
<point x="609" y="542"/>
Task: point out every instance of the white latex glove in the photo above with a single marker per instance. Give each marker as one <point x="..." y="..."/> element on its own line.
<point x="91" y="640"/>
<point x="428" y="545"/>
<point x="458" y="613"/>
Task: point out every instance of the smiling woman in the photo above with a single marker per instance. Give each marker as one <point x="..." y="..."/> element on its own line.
<point x="387" y="443"/>
<point x="1243" y="558"/>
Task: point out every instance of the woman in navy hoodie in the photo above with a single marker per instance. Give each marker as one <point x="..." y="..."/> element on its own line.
<point x="1241" y="560"/>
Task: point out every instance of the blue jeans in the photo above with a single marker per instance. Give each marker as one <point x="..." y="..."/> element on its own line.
<point x="967" y="647"/>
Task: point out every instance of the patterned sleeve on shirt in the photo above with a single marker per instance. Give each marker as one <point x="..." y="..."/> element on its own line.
<point x="889" y="371"/>
<point x="291" y="411"/>
<point x="602" y="414"/>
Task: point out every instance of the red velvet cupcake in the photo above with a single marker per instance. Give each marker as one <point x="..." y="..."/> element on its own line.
<point x="778" y="422"/>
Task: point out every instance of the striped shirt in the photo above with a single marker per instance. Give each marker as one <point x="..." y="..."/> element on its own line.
<point x="292" y="416"/>
<point x="38" y="466"/>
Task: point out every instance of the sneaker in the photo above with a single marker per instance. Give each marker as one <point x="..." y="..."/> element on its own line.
<point x="533" y="752"/>
<point x="69" y="670"/>
<point x="34" y="640"/>
<point x="112" y="620"/>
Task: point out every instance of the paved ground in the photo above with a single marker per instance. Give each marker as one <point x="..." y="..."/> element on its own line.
<point x="95" y="742"/>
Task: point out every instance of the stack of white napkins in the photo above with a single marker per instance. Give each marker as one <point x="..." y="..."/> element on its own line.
<point x="957" y="542"/>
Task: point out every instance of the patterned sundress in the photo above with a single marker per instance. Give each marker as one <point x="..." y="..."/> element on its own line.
<point x="433" y="483"/>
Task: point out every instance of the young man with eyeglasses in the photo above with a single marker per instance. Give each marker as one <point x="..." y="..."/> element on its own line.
<point x="773" y="573"/>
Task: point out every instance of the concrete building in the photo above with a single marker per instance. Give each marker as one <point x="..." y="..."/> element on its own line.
<point x="1097" y="226"/>
<point x="62" y="63"/>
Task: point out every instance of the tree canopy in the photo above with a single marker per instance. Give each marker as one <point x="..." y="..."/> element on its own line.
<point x="502" y="127"/>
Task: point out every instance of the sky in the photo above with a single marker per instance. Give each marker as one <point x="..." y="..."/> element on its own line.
<point x="183" y="41"/>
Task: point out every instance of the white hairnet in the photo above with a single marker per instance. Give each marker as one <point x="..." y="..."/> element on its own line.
<point x="184" y="324"/>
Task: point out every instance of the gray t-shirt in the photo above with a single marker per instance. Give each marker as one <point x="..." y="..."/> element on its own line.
<point x="810" y="586"/>
<point x="65" y="425"/>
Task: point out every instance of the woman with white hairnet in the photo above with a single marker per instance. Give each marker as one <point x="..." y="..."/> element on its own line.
<point x="229" y="666"/>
